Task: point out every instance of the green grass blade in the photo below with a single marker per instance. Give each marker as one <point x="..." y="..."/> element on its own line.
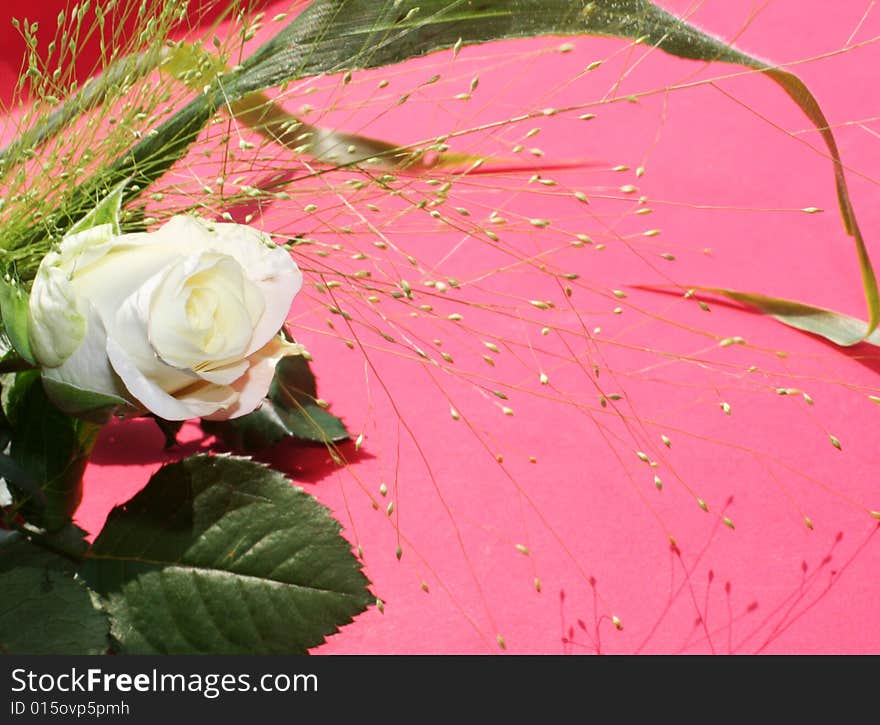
<point x="834" y="326"/>
<point x="332" y="36"/>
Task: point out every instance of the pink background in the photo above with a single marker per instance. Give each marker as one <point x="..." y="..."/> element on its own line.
<point x="596" y="527"/>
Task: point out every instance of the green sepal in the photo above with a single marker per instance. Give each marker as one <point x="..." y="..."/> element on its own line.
<point x="14" y="313"/>
<point x="87" y="405"/>
<point x="107" y="211"/>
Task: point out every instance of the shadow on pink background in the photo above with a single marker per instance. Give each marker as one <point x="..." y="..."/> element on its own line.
<point x="597" y="530"/>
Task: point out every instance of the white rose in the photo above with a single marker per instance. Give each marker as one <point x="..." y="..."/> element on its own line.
<point x="182" y="322"/>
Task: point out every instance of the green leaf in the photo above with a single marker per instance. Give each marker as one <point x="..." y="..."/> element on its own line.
<point x="333" y="36"/>
<point x="194" y="65"/>
<point x="143" y="164"/>
<point x="45" y="608"/>
<point x="70" y="541"/>
<point x="290" y="410"/>
<point x="223" y="555"/>
<point x="251" y="432"/>
<point x="14" y="312"/>
<point x="106" y="211"/>
<point x="834" y="326"/>
<point x="95" y="91"/>
<point x="294" y="395"/>
<point x="18" y="477"/>
<point x="50" y="447"/>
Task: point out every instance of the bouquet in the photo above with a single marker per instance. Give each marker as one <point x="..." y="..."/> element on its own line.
<point x="217" y="215"/>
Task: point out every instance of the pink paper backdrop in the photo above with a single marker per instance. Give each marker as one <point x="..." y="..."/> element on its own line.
<point x="727" y="166"/>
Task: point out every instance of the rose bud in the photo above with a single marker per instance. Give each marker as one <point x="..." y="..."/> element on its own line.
<point x="182" y="322"/>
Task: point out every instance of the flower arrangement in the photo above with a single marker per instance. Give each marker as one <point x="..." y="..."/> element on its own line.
<point x="162" y="269"/>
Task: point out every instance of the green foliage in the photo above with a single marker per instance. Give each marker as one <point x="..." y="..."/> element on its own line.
<point x="341" y="35"/>
<point x="89" y="96"/>
<point x="291" y="409"/>
<point x="15" y="475"/>
<point x="223" y="555"/>
<point x="833" y="326"/>
<point x="332" y="36"/>
<point x="14" y="314"/>
<point x="50" y="447"/>
<point x="215" y="555"/>
<point x="46" y="609"/>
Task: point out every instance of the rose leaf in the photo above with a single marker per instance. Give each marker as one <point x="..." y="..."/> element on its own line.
<point x="49" y="447"/>
<point x="291" y="409"/>
<point x="294" y="395"/>
<point x="46" y="608"/>
<point x="219" y="554"/>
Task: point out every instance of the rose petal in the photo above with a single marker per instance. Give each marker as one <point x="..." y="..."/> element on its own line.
<point x="88" y="245"/>
<point x="56" y="317"/>
<point x="187" y="316"/>
<point x="129" y="329"/>
<point x="253" y="386"/>
<point x="88" y="367"/>
<point x="278" y="293"/>
<point x="109" y="272"/>
<point x="269" y="266"/>
<point x="200" y="400"/>
<point x="224" y="375"/>
<point x="207" y="280"/>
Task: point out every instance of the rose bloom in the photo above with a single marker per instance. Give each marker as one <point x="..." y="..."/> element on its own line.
<point x="182" y="322"/>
